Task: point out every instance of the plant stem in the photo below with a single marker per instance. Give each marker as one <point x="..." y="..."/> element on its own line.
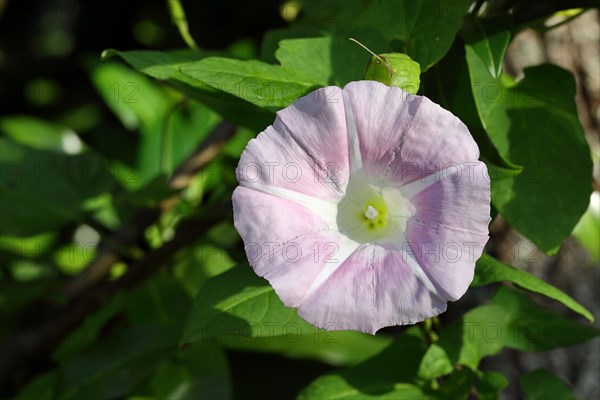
<point x="179" y="19"/>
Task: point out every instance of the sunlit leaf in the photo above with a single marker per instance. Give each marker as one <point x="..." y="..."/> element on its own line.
<point x="490" y="270"/>
<point x="533" y="124"/>
<point x="511" y="320"/>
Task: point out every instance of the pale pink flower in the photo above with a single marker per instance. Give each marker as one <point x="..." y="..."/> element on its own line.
<point x="364" y="207"/>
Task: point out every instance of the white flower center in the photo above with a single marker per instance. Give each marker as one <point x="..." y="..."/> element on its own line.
<point x="371" y="213"/>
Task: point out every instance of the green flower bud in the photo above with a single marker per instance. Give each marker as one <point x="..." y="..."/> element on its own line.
<point x="395" y="69"/>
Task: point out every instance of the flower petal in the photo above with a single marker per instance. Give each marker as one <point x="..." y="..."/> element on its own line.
<point x="306" y="264"/>
<point x="354" y="153"/>
<point x="262" y="218"/>
<point x="447" y="256"/>
<point x="382" y="115"/>
<point x="345" y="300"/>
<point x="436" y="140"/>
<point x="323" y="208"/>
<point x="459" y="199"/>
<point x="400" y="244"/>
<point x="373" y="289"/>
<point x="401" y="298"/>
<point x="450" y="228"/>
<point x="305" y="150"/>
<point x="379" y="135"/>
<point x="289" y="245"/>
<point x="404" y="136"/>
<point x="317" y="122"/>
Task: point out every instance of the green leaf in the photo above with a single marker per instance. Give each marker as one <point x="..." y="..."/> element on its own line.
<point x="305" y="65"/>
<point x="31" y="247"/>
<point x="112" y="367"/>
<point x="196" y="373"/>
<point x="88" y="332"/>
<point x="489" y="270"/>
<point x="267" y="86"/>
<point x="457" y="386"/>
<point x="157" y="64"/>
<point x="39" y="134"/>
<point x="543" y="385"/>
<point x="42" y="387"/>
<point x="437" y="362"/>
<point x="491" y="385"/>
<point x="238" y="302"/>
<point x="167" y="67"/>
<point x="29" y="271"/>
<point x="377" y="378"/>
<point x="188" y="125"/>
<point x="456" y="96"/>
<point x="43" y="190"/>
<point x="140" y="105"/>
<point x="195" y="265"/>
<point x="330" y="60"/>
<point x="511" y="320"/>
<point x="236" y="145"/>
<point x="135" y="99"/>
<point x="384" y="377"/>
<point x="272" y="38"/>
<point x="489" y="40"/>
<point x="159" y="301"/>
<point x="242" y="311"/>
<point x="72" y="258"/>
<point x="424" y="30"/>
<point x="431" y="30"/>
<point x="339" y="348"/>
<point x="534" y="124"/>
<point x="310" y="58"/>
<point x="170" y="128"/>
<point x="334" y="387"/>
<point x="496" y="172"/>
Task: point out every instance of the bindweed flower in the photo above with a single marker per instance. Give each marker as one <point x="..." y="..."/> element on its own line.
<point x="364" y="207"/>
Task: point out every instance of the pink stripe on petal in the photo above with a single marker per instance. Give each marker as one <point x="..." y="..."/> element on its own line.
<point x="275" y="159"/>
<point x="382" y="115"/>
<point x="401" y="298"/>
<point x="317" y="123"/>
<point x="450" y="227"/>
<point x="437" y="139"/>
<point x="373" y="289"/>
<point x="326" y="210"/>
<point x="346" y="300"/>
<point x="459" y="200"/>
<point x="415" y="187"/>
<point x="301" y="266"/>
<point x="286" y="243"/>
<point x="262" y="218"/>
<point x="354" y="153"/>
<point x="446" y="255"/>
<point x="305" y="150"/>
